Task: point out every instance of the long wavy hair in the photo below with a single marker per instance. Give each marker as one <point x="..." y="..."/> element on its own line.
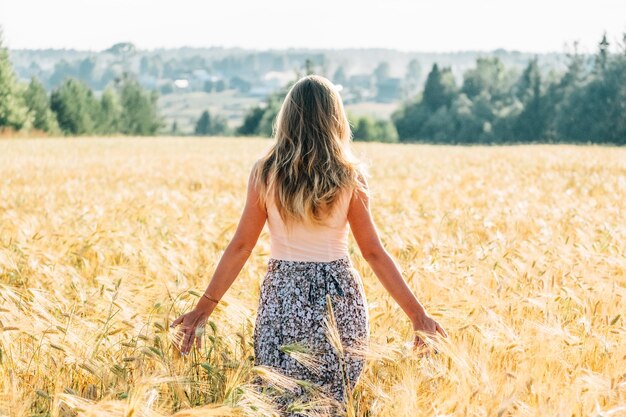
<point x="310" y="164"/>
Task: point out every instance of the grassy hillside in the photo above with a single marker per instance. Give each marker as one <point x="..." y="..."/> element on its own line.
<point x="518" y="251"/>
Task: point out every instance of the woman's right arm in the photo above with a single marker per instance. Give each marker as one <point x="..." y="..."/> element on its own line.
<point x="372" y="250"/>
<point x="230" y="264"/>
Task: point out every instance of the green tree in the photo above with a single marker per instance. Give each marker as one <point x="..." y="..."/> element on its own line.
<point x="109" y="117"/>
<point x="596" y="111"/>
<point x="468" y="126"/>
<point x="490" y="87"/>
<point x="427" y="115"/>
<point x="410" y="118"/>
<point x="368" y="129"/>
<point x="203" y="125"/>
<point x="386" y="131"/>
<point x="365" y="129"/>
<point x="140" y="114"/>
<point x="38" y="103"/>
<point x="251" y="121"/>
<point x="13" y="111"/>
<point x="490" y="75"/>
<point x="75" y="106"/>
<point x="603" y="54"/>
<point x="440" y="126"/>
<point x="558" y="91"/>
<point x="440" y="88"/>
<point x="209" y="125"/>
<point x="532" y="122"/>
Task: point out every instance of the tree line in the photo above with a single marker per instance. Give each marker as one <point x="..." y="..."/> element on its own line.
<point x="124" y="107"/>
<point x="586" y="103"/>
<point x="493" y="104"/>
<point x="72" y="108"/>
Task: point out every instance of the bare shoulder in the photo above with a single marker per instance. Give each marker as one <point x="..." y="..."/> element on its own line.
<point x="254" y="185"/>
<point x="255" y="172"/>
<point x="361" y="190"/>
<point x="255" y="167"/>
<point x="362" y="223"/>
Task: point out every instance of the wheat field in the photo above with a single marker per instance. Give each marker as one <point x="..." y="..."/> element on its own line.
<point x="519" y="252"/>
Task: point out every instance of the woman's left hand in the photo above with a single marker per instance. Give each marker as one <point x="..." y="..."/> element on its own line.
<point x="428" y="325"/>
<point x="191" y="324"/>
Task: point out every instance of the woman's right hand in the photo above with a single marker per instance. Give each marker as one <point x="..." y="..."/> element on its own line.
<point x="428" y="325"/>
<point x="192" y="325"/>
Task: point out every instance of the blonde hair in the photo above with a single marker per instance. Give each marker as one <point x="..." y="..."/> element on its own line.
<point x="310" y="164"/>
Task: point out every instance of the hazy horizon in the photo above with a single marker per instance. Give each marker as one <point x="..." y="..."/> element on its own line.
<point x="279" y="25"/>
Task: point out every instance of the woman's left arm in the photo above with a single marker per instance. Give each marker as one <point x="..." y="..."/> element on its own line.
<point x="232" y="261"/>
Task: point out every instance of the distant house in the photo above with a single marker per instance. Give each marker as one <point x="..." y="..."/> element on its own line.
<point x="181" y="83"/>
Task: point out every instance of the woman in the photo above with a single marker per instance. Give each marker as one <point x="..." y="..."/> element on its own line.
<point x="309" y="188"/>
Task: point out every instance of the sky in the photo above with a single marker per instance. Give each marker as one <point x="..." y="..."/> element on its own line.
<point x="408" y="25"/>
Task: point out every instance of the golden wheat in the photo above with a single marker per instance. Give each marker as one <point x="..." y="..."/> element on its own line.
<point x="520" y="253"/>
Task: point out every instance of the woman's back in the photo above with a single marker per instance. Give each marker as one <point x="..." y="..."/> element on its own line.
<point x="308" y="242"/>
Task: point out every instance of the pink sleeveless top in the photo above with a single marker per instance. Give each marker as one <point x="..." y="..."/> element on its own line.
<point x="310" y="243"/>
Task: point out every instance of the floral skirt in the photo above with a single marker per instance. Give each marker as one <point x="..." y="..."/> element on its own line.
<point x="312" y="326"/>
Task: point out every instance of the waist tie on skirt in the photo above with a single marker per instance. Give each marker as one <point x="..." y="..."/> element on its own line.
<point x="328" y="280"/>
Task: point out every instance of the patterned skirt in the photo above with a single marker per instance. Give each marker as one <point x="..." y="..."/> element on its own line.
<point x="312" y="326"/>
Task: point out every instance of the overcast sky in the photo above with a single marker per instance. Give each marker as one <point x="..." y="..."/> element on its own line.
<point x="436" y="25"/>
